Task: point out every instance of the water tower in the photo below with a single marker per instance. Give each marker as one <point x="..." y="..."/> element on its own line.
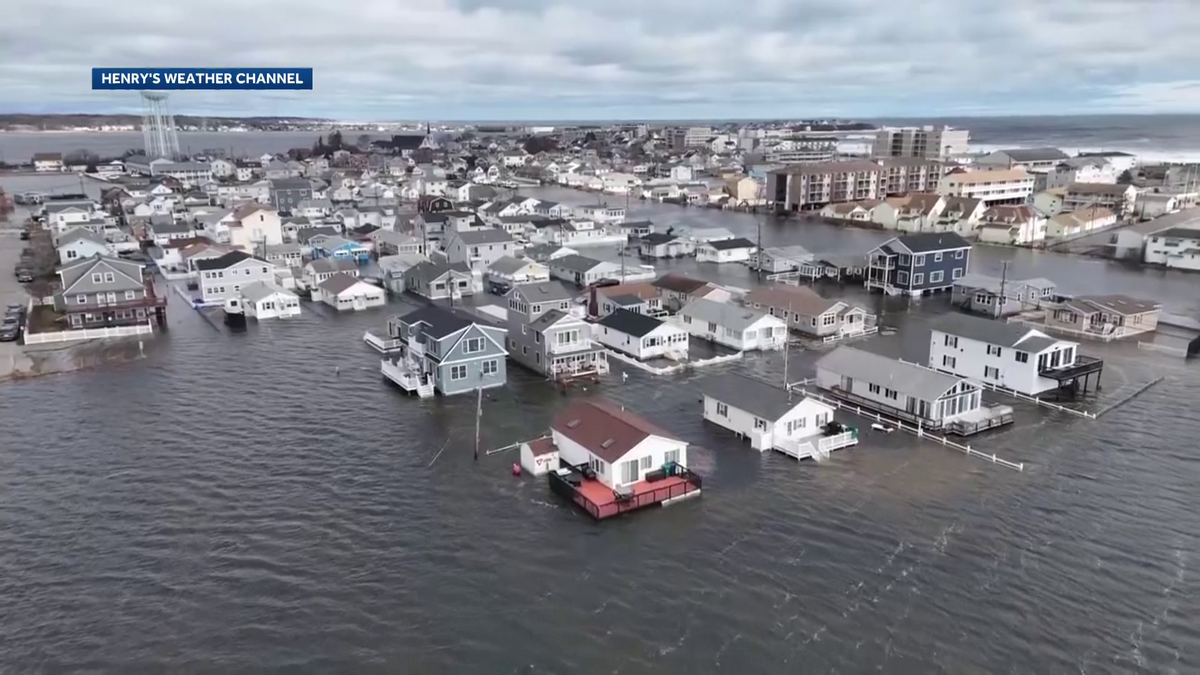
<point x="158" y="127"/>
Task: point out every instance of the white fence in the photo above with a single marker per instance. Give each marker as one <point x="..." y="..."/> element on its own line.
<point x="667" y="370"/>
<point x="89" y="334"/>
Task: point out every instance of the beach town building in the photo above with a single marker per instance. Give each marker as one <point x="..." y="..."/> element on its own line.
<point x="223" y="277"/>
<point x="1031" y="159"/>
<point x="1120" y="199"/>
<point x="1073" y="223"/>
<point x="642" y="337"/>
<point x="1082" y="170"/>
<point x="805" y="311"/>
<point x="1012" y="226"/>
<point x="103" y="291"/>
<point x="811" y="186"/>
<point x="918" y="264"/>
<point x="1176" y="247"/>
<point x="1103" y="317"/>
<point x="547" y="333"/>
<point x="348" y="292"/>
<point x="442" y="351"/>
<point x="738" y="249"/>
<point x="1001" y="186"/>
<point x="997" y="296"/>
<point x="733" y="326"/>
<point x="926" y="142"/>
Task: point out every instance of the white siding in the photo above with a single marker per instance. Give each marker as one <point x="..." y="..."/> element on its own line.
<point x="810" y="416"/>
<point x="970" y="359"/>
<point x="654" y="447"/>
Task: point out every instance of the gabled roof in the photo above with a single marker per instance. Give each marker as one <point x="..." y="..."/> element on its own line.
<point x="321" y="265"/>
<point x="679" y="283"/>
<point x="261" y="290"/>
<point x="484" y="235"/>
<point x="765" y="401"/>
<point x="576" y="263"/>
<point x="931" y="242"/>
<point x="630" y="323"/>
<point x="908" y="378"/>
<point x="226" y="261"/>
<point x="607" y="431"/>
<point x="81" y="233"/>
<point x="660" y="238"/>
<point x="731" y="244"/>
<point x="545" y="291"/>
<point x="80" y="269"/>
<point x="246" y="210"/>
<point x="988" y="331"/>
<point x="723" y="314"/>
<point x="797" y="299"/>
<point x="1035" y="154"/>
<point x="339" y="283"/>
<point x="438" y="322"/>
<point x="510" y="265"/>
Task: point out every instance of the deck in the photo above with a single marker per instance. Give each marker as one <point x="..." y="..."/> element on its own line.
<point x="600" y="501"/>
<point x="381" y="342"/>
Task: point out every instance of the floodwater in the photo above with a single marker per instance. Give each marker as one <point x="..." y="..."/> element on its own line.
<point x="264" y="501"/>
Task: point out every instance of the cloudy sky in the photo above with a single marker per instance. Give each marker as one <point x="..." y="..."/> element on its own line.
<point x="620" y="59"/>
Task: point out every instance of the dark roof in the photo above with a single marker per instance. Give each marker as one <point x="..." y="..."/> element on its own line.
<point x="727" y="244"/>
<point x="227" y="260"/>
<point x="1035" y="154"/>
<point x="1178" y="232"/>
<point x="438" y="321"/>
<point x="544" y="291"/>
<point x="630" y="323"/>
<point x="485" y="235"/>
<point x="290" y="184"/>
<point x="767" y="401"/>
<point x="927" y="242"/>
<point x="988" y="331"/>
<point x="608" y="431"/>
<point x="656" y="238"/>
<point x="679" y="283"/>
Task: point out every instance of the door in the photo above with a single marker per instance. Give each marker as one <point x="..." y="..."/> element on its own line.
<point x="629" y="472"/>
<point x="360" y="302"/>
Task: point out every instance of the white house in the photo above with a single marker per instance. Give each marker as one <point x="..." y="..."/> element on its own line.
<point x="254" y="226"/>
<point x="47" y="161"/>
<point x="641" y="336"/>
<point x="620" y="447"/>
<point x="1012" y="226"/>
<point x="322" y="268"/>
<point x="581" y="270"/>
<point x="737" y="249"/>
<point x="771" y="417"/>
<point x="265" y="300"/>
<point x="539" y="456"/>
<point x="733" y="326"/>
<point x="345" y="291"/>
<point x="79" y="244"/>
<point x="1176" y="247"/>
<point x="514" y="271"/>
<point x="1009" y="355"/>
<point x="663" y="245"/>
<point x="223" y="277"/>
<point x="478" y="248"/>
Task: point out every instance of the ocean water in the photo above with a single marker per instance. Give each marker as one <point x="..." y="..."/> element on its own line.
<point x="264" y="501"/>
<point x="1159" y="138"/>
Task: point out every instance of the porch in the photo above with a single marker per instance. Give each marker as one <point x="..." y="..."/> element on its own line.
<point x="408" y="377"/>
<point x="881" y="269"/>
<point x="816" y="447"/>
<point x="381" y="341"/>
<point x="669" y="484"/>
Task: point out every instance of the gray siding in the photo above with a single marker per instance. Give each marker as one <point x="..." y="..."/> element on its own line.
<point x="470" y="367"/>
<point x="927" y="271"/>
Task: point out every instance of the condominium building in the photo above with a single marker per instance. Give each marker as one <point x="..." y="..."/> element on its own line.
<point x="903" y="175"/>
<point x="811" y="186"/>
<point x="803" y="150"/>
<point x="993" y="188"/>
<point x="1120" y="199"/>
<point x="927" y="142"/>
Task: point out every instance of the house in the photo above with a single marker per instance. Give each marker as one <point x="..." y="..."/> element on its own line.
<point x="1001" y="186"/>
<point x="666" y="245"/>
<point x="321" y="269"/>
<point x="916" y="394"/>
<point x="612" y="461"/>
<point x="1009" y="355"/>
<point x="47" y="161"/>
<point x="737" y="249"/>
<point x="163" y="230"/>
<point x="254" y="226"/>
<point x="1012" y="226"/>
<point x="1120" y="199"/>
<point x="1082" y="170"/>
<point x="1030" y="159"/>
<point x="513" y="271"/>
<point x="288" y="193"/>
<point x="223" y="277"/>
<point x="80" y="244"/>
<point x="581" y="270"/>
<point x="394" y="268"/>
<point x="1176" y="247"/>
<point x="546" y="336"/>
<point x="1074" y="223"/>
<point x="478" y="248"/>
<point x="103" y="291"/>
<point x="442" y="351"/>
<point x="346" y="291"/>
<point x="678" y="290"/>
<point x="642" y="337"/>
<point x="772" y="417"/>
<point x="341" y="248"/>
<point x="439" y="280"/>
<point x="918" y="264"/>
<point x="776" y="259"/>
<point x="1104" y="317"/>
<point x="264" y="300"/>
<point x="636" y="229"/>
<point x="732" y="326"/>
<point x="539" y="456"/>
<point x="994" y="296"/>
<point x="641" y="297"/>
<point x="391" y="242"/>
<point x="807" y="312"/>
<point x="284" y="255"/>
<point x="544" y="253"/>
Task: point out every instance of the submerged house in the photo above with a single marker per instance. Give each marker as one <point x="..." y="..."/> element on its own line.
<point x="732" y="326"/>
<point x="918" y="264"/>
<point x="547" y="334"/>
<point x="443" y="351"/>
<point x="807" y="312"/>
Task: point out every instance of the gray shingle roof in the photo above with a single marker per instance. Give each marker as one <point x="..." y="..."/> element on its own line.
<point x="545" y="291"/>
<point x="988" y="331"/>
<point x="767" y="401"/>
<point x="723" y="314"/>
<point x="509" y="265"/>
<point x="908" y="378"/>
<point x="630" y="323"/>
<point x="575" y="263"/>
<point x="486" y="235"/>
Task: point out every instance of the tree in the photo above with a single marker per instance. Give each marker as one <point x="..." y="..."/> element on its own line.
<point x="363" y="142"/>
<point x="535" y="144"/>
<point x="1126" y="178"/>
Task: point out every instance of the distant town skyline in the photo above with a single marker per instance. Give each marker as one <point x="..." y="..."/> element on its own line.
<point x="579" y="60"/>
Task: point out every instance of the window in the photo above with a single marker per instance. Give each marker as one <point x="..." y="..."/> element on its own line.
<point x="130" y="295"/>
<point x="491" y="367"/>
<point x="993" y="350"/>
<point x="905" y="260"/>
<point x="671" y="456"/>
<point x="647" y="462"/>
<point x="890" y="393"/>
<point x="937" y="257"/>
<point x="991" y="373"/>
<point x="958" y="255"/>
<point x="97" y="278"/>
<point x="918" y="279"/>
<point x="902" y="278"/>
<point x="458" y="372"/>
<point x="1021" y="357"/>
<point x="712" y="327"/>
<point x="958" y="273"/>
<point x="795" y="425"/>
<point x="828" y="319"/>
<point x="936" y="277"/>
<point x="874" y="388"/>
<point x="473" y="346"/>
<point x="81" y="299"/>
<point x="949" y="362"/>
<point x="109" y="277"/>
<point x="760" y="424"/>
<point x="722" y="410"/>
<point x="918" y="261"/>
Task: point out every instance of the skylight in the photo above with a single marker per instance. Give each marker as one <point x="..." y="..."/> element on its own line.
<point x="572" y="424"/>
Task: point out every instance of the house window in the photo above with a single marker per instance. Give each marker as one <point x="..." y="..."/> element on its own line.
<point x="473" y="346"/>
<point x="130" y="295"/>
<point x="1021" y="357"/>
<point x="828" y="319"/>
<point x="722" y="410"/>
<point x="902" y="278"/>
<point x="890" y="393"/>
<point x="97" y="278"/>
<point x="671" y="457"/>
<point x="957" y="273"/>
<point x="993" y="350"/>
<point x="647" y="462"/>
<point x="458" y="372"/>
<point x="537" y="338"/>
<point x="918" y="261"/>
<point x="949" y="362"/>
<point x="958" y="255"/>
<point x="712" y="327"/>
<point x="109" y="277"/>
<point x="918" y="279"/>
<point x="991" y="373"/>
<point x="936" y="277"/>
<point x="760" y="424"/>
<point x="905" y="260"/>
<point x="81" y="299"/>
<point x="937" y="257"/>
<point x="491" y="367"/>
<point x="874" y="388"/>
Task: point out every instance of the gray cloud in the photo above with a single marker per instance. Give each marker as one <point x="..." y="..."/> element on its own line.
<point x="389" y="59"/>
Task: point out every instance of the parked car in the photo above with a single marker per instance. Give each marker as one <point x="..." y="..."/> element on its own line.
<point x="10" y="329"/>
<point x="24" y="276"/>
<point x="14" y="310"/>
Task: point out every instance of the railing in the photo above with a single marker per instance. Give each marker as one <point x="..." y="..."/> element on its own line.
<point x="568" y="347"/>
<point x="560" y="486"/>
<point x="1084" y="365"/>
<point x="382" y="344"/>
<point x="89" y="334"/>
<point x="151" y="300"/>
<point x="926" y="423"/>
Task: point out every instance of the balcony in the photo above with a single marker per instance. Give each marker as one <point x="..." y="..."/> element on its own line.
<point x="1083" y="366"/>
<point x="572" y="347"/>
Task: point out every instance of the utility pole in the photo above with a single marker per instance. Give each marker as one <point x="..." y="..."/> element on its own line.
<point x="1003" y="288"/>
<point x="478" y="411"/>
<point x="758" y="265"/>
<point x="786" y="343"/>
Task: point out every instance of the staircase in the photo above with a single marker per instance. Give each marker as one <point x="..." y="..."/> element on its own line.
<point x="425" y="389"/>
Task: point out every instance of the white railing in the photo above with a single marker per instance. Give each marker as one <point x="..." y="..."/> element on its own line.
<point x="382" y="344"/>
<point x="400" y="375"/>
<point x="576" y="346"/>
<point x="89" y="334"/>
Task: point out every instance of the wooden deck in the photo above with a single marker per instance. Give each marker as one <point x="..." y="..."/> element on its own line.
<point x="601" y="502"/>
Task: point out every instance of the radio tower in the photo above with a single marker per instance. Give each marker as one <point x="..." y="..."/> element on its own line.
<point x="158" y="127"/>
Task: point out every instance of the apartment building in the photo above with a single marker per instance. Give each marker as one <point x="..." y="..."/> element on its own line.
<point x="1119" y="199"/>
<point x="1082" y="170"/>
<point x="802" y="150"/>
<point x="993" y="188"/>
<point x="904" y="175"/>
<point x="811" y="186"/>
<point x="1030" y="159"/>
<point x="927" y="142"/>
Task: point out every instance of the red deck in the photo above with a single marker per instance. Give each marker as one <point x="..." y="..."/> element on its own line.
<point x="601" y="502"/>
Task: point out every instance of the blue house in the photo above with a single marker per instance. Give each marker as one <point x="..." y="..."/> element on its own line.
<point x="340" y="247"/>
<point x="445" y="351"/>
<point x="918" y="264"/>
